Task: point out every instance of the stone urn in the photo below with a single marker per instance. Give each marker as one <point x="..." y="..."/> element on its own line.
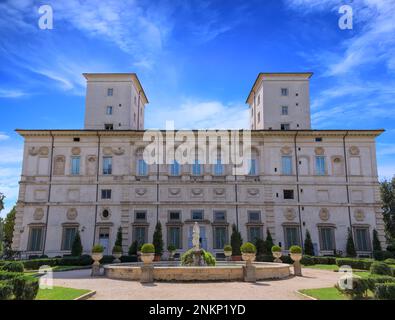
<point x="97" y="256"/>
<point x="171" y="254"/>
<point x="227" y="253"/>
<point x="248" y="257"/>
<point x="277" y="255"/>
<point x="296" y="257"/>
<point x="117" y="256"/>
<point x="147" y="258"/>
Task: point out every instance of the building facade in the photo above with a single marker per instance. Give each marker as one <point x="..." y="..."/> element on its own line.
<point x="95" y="180"/>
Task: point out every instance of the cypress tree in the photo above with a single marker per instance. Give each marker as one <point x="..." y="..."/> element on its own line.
<point x="308" y="244"/>
<point x="236" y="241"/>
<point x="350" y="247"/>
<point x="76" y="248"/>
<point x="376" y="241"/>
<point x="118" y="242"/>
<point x="269" y="242"/>
<point x="157" y="239"/>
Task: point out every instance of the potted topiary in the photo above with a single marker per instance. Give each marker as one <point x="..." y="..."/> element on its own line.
<point x="117" y="253"/>
<point x="296" y="253"/>
<point x="147" y="253"/>
<point x="276" y="251"/>
<point x="172" y="250"/>
<point x="248" y="252"/>
<point x="97" y="254"/>
<point x="228" y="251"/>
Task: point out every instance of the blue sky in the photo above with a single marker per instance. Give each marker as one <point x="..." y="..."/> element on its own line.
<point x="197" y="61"/>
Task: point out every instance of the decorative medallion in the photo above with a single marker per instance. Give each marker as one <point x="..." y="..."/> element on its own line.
<point x="289" y="214"/>
<point x="359" y="215"/>
<point x="118" y="151"/>
<point x="337" y="159"/>
<point x="91" y="158"/>
<point x="219" y="191"/>
<point x="354" y="150"/>
<point x="141" y="191"/>
<point x="324" y="214"/>
<point x="38" y="214"/>
<point x="33" y="151"/>
<point x="174" y="191"/>
<point x="105" y="214"/>
<point x="319" y="151"/>
<point x="107" y="151"/>
<point x="75" y="151"/>
<point x="253" y="191"/>
<point x="197" y="191"/>
<point x="286" y="150"/>
<point x="72" y="214"/>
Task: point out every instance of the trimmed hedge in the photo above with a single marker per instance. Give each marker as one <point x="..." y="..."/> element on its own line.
<point x="385" y="291"/>
<point x="130" y="258"/>
<point x="361" y="264"/>
<point x="264" y="258"/>
<point x="37" y="263"/>
<point x="5" y="290"/>
<point x="380" y="268"/>
<point x="12" y="266"/>
<point x="382" y="255"/>
<point x="84" y="260"/>
<point x="23" y="287"/>
<point x="107" y="259"/>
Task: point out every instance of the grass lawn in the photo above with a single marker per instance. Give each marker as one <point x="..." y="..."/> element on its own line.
<point x="332" y="267"/>
<point x="60" y="293"/>
<point x="324" y="294"/>
<point x="60" y="269"/>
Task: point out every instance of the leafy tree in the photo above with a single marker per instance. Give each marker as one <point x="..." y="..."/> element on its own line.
<point x="118" y="242"/>
<point x="376" y="241"/>
<point x="269" y="242"/>
<point x="387" y="191"/>
<point x="2" y="196"/>
<point x="157" y="239"/>
<point x="308" y="244"/>
<point x="9" y="224"/>
<point x="76" y="248"/>
<point x="350" y="247"/>
<point x="1" y="235"/>
<point x="236" y="241"/>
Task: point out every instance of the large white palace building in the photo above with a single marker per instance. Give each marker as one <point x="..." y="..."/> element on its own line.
<point x="95" y="180"/>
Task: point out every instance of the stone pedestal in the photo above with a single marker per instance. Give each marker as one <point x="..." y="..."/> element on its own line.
<point x="249" y="273"/>
<point x="95" y="270"/>
<point x="297" y="269"/>
<point x="147" y="274"/>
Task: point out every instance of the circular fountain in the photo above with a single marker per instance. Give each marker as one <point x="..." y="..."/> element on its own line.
<point x="197" y="270"/>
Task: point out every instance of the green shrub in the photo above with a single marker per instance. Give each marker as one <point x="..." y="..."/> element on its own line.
<point x="117" y="249"/>
<point x="97" y="248"/>
<point x="171" y="248"/>
<point x="374" y="279"/>
<point x="106" y="259"/>
<point x="23" y="287"/>
<point x="380" y="268"/>
<point x="324" y="260"/>
<point x="129" y="258"/>
<point x="13" y="266"/>
<point x="5" y="290"/>
<point x="286" y="259"/>
<point x="37" y="263"/>
<point x="350" y="247"/>
<point x="389" y="261"/>
<point x="133" y="248"/>
<point x="354" y="263"/>
<point x="248" y="247"/>
<point x="307" y="260"/>
<point x="228" y="247"/>
<point x="118" y="242"/>
<point x="148" y="248"/>
<point x="76" y="248"/>
<point x="385" y="291"/>
<point x="382" y="255"/>
<point x="276" y="249"/>
<point x="236" y="241"/>
<point x="360" y="287"/>
<point x="295" y="249"/>
<point x="84" y="260"/>
<point x="264" y="258"/>
<point x="268" y="242"/>
<point x="187" y="257"/>
<point x="260" y="246"/>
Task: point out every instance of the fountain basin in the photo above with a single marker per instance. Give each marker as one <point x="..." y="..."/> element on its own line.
<point x="173" y="271"/>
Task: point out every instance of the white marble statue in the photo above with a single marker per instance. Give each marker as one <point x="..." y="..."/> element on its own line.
<point x="196" y="236"/>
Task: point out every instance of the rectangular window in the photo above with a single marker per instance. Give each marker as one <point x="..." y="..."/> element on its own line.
<point x="362" y="241"/>
<point x="109" y="110"/>
<point x="286" y="162"/>
<point x="196" y="168"/>
<point x="220" y="237"/>
<point x="106" y="193"/>
<point x="254" y="216"/>
<point x="252" y="167"/>
<point x="219" y="216"/>
<point x="175" y="237"/>
<point x="140" y="235"/>
<point x="285" y="126"/>
<point x="107" y="165"/>
<point x="36" y="239"/>
<point x="318" y="139"/>
<point x="197" y="215"/>
<point x="175" y="168"/>
<point x="259" y="117"/>
<point x="68" y="237"/>
<point x="254" y="233"/>
<point x="288" y="194"/>
<point x="174" y="216"/>
<point x="142" y="169"/>
<point x="284" y="110"/>
<point x="75" y="165"/>
<point x="108" y="126"/>
<point x="218" y="168"/>
<point x="141" y="216"/>
<point x="320" y="165"/>
<point x="284" y="91"/>
<point x="291" y="237"/>
<point x="327" y="239"/>
<point x="110" y="92"/>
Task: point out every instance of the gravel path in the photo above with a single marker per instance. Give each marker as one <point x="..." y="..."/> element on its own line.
<point x="108" y="289"/>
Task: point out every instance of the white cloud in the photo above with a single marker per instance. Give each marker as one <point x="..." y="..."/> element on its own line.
<point x="11" y="93"/>
<point x="3" y="136"/>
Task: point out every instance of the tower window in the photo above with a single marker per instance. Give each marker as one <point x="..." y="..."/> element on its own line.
<point x="109" y="110"/>
<point x="318" y="139"/>
<point x="110" y="92"/>
<point x="284" y="110"/>
<point x="109" y="126"/>
<point x="284" y="91"/>
<point x="285" y="126"/>
<point x="76" y="139"/>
